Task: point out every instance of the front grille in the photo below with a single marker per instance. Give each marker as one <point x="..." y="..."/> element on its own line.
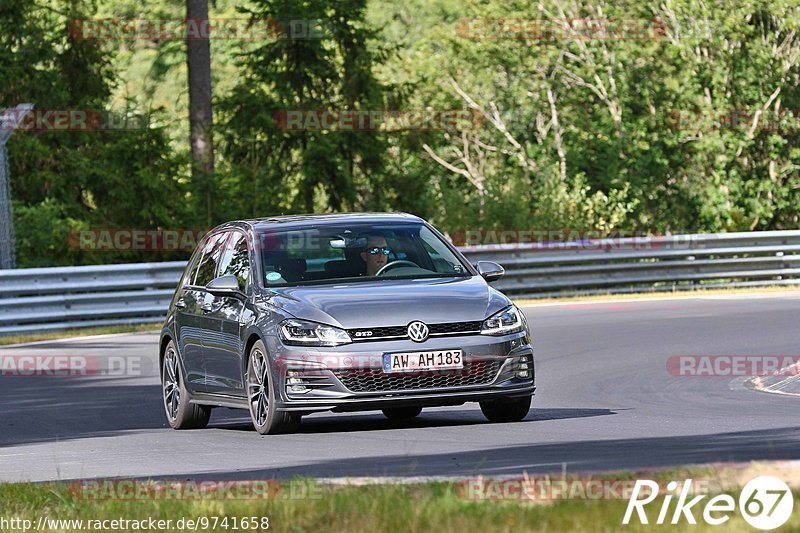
<point x="455" y="327"/>
<point x="475" y="373"/>
<point x="401" y="332"/>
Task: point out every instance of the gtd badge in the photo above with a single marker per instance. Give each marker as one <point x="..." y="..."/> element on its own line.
<point x="417" y="331"/>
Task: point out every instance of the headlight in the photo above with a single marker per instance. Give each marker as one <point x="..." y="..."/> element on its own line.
<point x="509" y="320"/>
<point x="305" y="333"/>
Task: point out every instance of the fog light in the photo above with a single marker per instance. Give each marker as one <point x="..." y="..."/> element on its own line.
<point x="295" y="383"/>
<point x="524" y="369"/>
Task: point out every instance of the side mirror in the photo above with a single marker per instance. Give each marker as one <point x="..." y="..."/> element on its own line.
<point x="225" y="286"/>
<point x="490" y="271"/>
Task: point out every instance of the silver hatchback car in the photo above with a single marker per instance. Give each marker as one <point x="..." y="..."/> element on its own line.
<point x="292" y="315"/>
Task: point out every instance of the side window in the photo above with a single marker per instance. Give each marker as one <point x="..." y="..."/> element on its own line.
<point x="441" y="264"/>
<point x="236" y="259"/>
<point x="442" y="258"/>
<point x="207" y="268"/>
<point x="194" y="262"/>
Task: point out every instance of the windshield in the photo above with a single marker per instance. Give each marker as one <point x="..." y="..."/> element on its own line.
<point x="355" y="252"/>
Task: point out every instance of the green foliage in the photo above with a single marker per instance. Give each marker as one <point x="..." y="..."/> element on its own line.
<point x="585" y="124"/>
<point x="65" y="180"/>
<point x="306" y="170"/>
<point x="599" y="133"/>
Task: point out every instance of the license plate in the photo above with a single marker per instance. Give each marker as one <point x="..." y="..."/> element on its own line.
<point x="417" y="361"/>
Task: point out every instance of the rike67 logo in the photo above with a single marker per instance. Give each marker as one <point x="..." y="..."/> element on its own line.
<point x="765" y="503"/>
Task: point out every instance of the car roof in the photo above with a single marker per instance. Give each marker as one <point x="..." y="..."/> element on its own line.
<point x="290" y="221"/>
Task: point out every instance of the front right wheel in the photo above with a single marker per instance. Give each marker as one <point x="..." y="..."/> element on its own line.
<point x="506" y="409"/>
<point x="261" y="396"/>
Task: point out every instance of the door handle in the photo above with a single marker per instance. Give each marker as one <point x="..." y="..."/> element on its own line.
<point x="180" y="304"/>
<point x="206" y="307"/>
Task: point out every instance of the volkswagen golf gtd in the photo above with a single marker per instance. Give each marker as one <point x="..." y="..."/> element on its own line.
<point x="292" y="315"/>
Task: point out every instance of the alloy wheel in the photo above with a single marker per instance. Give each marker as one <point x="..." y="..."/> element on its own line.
<point x="257" y="387"/>
<point x="171" y="384"/>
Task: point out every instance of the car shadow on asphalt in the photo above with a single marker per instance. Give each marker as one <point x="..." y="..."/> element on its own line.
<point x="38" y="410"/>
<point x="323" y="423"/>
<point x="587" y="456"/>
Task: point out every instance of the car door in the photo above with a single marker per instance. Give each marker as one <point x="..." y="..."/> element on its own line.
<point x="188" y="323"/>
<point x="199" y="326"/>
<point x="224" y="355"/>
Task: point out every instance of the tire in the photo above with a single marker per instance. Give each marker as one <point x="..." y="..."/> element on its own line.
<point x="261" y="396"/>
<point x="180" y="413"/>
<point x="506" y="409"/>
<point x="402" y="413"/>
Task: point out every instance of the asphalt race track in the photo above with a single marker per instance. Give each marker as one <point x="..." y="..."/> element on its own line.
<point x="605" y="400"/>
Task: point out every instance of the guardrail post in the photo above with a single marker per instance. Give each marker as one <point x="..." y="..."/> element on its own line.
<point x="9" y="121"/>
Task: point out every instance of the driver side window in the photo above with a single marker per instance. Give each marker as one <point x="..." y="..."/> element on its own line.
<point x="207" y="268"/>
<point x="236" y="259"/>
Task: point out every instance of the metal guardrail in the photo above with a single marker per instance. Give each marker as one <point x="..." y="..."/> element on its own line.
<point x="43" y="299"/>
<point x="50" y="299"/>
<point x="615" y="266"/>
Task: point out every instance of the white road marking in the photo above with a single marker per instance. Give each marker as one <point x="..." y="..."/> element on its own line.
<point x="743" y="296"/>
<point x="786" y="382"/>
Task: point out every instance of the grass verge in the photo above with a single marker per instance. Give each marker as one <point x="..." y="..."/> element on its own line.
<point x="80" y="332"/>
<point x="439" y="506"/>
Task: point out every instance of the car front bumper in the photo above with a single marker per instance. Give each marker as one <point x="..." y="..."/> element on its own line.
<point x="350" y="377"/>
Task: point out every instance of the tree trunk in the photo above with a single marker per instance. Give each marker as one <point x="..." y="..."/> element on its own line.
<point x="201" y="121"/>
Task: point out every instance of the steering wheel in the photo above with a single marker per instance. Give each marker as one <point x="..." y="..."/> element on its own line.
<point x="393" y="264"/>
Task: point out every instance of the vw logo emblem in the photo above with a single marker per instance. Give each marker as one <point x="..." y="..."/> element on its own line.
<point x="417" y="331"/>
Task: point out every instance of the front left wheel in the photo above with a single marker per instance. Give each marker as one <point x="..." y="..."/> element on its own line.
<point x="506" y="409"/>
<point x="181" y="414"/>
<point x="261" y="396"/>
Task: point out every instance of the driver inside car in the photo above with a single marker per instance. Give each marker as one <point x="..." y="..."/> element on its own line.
<point x="375" y="254"/>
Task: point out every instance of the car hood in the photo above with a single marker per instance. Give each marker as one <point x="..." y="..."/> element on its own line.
<point x="369" y="304"/>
